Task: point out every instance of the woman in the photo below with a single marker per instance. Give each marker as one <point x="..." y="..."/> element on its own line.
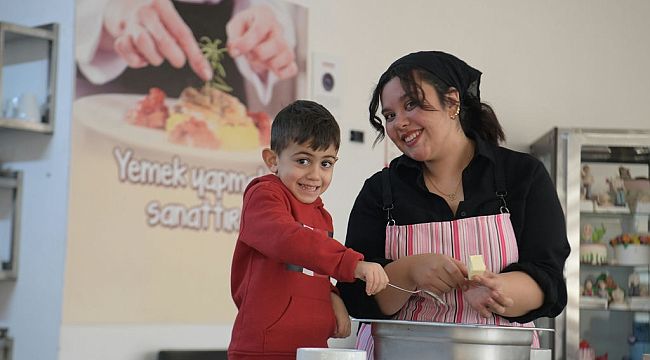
<point x="454" y="193"/>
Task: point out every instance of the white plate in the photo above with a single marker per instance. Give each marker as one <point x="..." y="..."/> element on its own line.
<point x="105" y="114"/>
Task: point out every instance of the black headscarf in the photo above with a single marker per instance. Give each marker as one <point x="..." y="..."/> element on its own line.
<point x="446" y="67"/>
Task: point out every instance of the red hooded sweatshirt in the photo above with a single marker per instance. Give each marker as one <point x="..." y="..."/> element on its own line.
<point x="280" y="273"/>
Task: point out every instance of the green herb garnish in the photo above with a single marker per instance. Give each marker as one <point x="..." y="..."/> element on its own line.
<point x="214" y="54"/>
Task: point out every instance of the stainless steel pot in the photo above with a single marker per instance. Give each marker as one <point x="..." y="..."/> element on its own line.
<point x="402" y="340"/>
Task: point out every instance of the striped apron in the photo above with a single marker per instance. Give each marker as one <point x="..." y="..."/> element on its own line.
<point x="491" y="236"/>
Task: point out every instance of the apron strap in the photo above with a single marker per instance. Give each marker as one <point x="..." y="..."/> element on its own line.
<point x="387" y="196"/>
<point x="500" y="182"/>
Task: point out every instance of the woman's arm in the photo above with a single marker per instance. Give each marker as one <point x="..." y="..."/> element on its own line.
<point x="543" y="249"/>
<point x="523" y="301"/>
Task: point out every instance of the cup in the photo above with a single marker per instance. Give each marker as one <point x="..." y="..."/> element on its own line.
<point x="28" y="108"/>
<point x="11" y="108"/>
<point x="540" y="354"/>
<point x="330" y="354"/>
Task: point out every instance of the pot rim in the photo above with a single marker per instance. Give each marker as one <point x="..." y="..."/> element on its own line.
<point x="450" y="325"/>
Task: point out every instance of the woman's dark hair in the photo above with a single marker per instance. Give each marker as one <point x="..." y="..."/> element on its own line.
<point x="305" y="122"/>
<point x="474" y="115"/>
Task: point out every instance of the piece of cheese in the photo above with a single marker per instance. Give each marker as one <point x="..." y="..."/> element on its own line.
<point x="476" y="266"/>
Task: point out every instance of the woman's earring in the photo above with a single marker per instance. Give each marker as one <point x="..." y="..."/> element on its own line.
<point x="453" y="117"/>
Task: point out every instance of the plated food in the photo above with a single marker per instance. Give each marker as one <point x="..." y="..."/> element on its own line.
<point x="205" y="118"/>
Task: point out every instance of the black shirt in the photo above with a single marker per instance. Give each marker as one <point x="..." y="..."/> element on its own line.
<point x="535" y="213"/>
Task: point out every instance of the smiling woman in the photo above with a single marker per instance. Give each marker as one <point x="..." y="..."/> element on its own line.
<point x="453" y="194"/>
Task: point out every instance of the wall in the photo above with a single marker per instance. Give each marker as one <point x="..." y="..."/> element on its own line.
<point x="575" y="64"/>
<point x="31" y="306"/>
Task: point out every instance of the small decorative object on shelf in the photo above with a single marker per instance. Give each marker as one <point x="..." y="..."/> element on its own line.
<point x="638" y="195"/>
<point x="585" y="351"/>
<point x="588" y="289"/>
<point x="618" y="300"/>
<point x="587" y="180"/>
<point x="28" y="67"/>
<point x="634" y="284"/>
<point x="631" y="249"/>
<point x="592" y="251"/>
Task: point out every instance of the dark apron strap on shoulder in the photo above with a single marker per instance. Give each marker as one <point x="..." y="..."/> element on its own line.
<point x="387" y="195"/>
<point x="500" y="182"/>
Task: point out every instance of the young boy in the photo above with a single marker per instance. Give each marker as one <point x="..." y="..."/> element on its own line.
<point x="285" y="253"/>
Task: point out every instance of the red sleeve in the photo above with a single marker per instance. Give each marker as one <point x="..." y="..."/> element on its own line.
<point x="268" y="226"/>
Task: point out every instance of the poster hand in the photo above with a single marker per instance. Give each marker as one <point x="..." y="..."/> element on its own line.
<point x="147" y="32"/>
<point x="256" y="34"/>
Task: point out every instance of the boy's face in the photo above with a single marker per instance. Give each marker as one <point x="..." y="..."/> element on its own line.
<point x="307" y="173"/>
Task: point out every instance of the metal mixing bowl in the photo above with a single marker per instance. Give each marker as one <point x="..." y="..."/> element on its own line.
<point x="402" y="340"/>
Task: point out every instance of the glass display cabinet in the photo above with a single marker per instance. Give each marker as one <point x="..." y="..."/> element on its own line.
<point x="601" y="178"/>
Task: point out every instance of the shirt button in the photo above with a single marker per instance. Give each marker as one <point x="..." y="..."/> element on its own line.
<point x="462" y="213"/>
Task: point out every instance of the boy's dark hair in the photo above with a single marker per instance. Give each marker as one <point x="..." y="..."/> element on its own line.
<point x="305" y="122"/>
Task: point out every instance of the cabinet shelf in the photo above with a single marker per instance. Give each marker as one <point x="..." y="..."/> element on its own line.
<point x="28" y="68"/>
<point x="18" y="124"/>
<point x="605" y="266"/>
<point x="609" y="309"/>
<point x="609" y="215"/>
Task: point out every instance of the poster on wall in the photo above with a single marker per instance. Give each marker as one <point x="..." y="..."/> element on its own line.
<point x="174" y="101"/>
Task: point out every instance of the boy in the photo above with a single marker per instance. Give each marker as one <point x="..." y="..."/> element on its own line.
<point x="285" y="253"/>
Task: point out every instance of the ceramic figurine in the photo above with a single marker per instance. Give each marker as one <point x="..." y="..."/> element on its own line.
<point x="624" y="173"/>
<point x="618" y="296"/>
<point x="602" y="289"/>
<point x="617" y="190"/>
<point x="588" y="289"/>
<point x="634" y="285"/>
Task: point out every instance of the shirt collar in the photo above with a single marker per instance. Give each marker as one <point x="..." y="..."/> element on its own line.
<point x="482" y="149"/>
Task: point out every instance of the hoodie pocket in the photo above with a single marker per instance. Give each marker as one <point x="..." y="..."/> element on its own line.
<point x="306" y="322"/>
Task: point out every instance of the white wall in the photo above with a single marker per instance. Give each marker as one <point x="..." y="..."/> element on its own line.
<point x="31" y="306"/>
<point x="581" y="63"/>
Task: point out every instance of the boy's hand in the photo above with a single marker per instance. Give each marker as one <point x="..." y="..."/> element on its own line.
<point x="484" y="295"/>
<point x="374" y="276"/>
<point x="343" y="323"/>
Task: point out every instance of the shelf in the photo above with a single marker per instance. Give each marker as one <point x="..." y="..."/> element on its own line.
<point x="593" y="308"/>
<point x="20" y="124"/>
<point x="612" y="214"/>
<point x="616" y="266"/>
<point x="28" y="68"/>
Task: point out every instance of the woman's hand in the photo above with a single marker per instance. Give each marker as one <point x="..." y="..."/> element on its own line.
<point x="436" y="272"/>
<point x="484" y="293"/>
